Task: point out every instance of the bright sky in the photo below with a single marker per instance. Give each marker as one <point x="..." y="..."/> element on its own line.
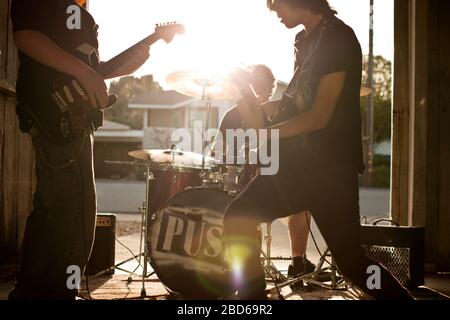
<point x="224" y="32"/>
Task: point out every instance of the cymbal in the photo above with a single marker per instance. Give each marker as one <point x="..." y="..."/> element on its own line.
<point x="172" y="158"/>
<point x="365" y="92"/>
<point x="195" y="84"/>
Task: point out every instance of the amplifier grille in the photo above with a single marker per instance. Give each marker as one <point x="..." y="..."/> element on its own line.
<point x="396" y="260"/>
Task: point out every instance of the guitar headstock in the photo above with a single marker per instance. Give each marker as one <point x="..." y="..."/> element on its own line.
<point x="168" y="30"/>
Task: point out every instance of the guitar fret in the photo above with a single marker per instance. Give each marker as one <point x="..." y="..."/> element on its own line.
<point x="113" y="64"/>
<point x="109" y="67"/>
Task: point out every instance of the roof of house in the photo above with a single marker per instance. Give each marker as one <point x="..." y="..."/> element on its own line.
<point x="112" y="131"/>
<point x="109" y="125"/>
<point x="161" y="99"/>
<point x="119" y="136"/>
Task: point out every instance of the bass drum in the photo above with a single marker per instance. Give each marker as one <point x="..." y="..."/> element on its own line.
<point x="185" y="244"/>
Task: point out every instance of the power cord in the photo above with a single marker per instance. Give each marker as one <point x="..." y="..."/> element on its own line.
<point x="322" y="255"/>
<point x="280" y="296"/>
<point x="132" y="253"/>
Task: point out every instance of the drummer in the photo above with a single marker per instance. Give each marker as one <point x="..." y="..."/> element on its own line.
<point x="263" y="83"/>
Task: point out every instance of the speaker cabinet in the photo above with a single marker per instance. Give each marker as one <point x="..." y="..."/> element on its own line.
<point x="102" y="259"/>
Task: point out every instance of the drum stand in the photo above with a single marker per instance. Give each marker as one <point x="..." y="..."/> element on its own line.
<point x="270" y="270"/>
<point x="145" y="218"/>
<point x="337" y="281"/>
<point x="280" y="280"/>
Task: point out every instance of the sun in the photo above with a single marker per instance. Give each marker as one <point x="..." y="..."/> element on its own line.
<point x="220" y="35"/>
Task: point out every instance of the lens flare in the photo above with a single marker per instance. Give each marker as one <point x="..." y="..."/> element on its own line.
<point x="239" y="253"/>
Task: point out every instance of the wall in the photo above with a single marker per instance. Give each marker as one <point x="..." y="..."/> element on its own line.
<point x="421" y="118"/>
<point x="16" y="155"/>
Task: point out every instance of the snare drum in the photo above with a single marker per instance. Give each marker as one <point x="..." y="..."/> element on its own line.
<point x="185" y="244"/>
<point x="173" y="171"/>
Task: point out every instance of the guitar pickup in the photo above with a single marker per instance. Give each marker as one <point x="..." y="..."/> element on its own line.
<point x="68" y="94"/>
<point x="78" y="88"/>
<point x="59" y="101"/>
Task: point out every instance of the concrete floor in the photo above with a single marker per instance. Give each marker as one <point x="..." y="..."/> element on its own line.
<point x="117" y="287"/>
<point x="125" y="196"/>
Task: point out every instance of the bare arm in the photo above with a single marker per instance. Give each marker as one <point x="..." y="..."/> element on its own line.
<point x="42" y="49"/>
<point x="328" y="93"/>
<point x="141" y="56"/>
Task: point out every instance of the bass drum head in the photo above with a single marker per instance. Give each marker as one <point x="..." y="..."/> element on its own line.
<point x="185" y="246"/>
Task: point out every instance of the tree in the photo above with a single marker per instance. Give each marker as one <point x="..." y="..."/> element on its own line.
<point x="382" y="97"/>
<point x="382" y="76"/>
<point x="126" y="89"/>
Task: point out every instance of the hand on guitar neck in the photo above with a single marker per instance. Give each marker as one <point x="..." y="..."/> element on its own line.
<point x="77" y="97"/>
<point x="125" y="63"/>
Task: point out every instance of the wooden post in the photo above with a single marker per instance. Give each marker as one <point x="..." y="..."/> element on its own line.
<point x="443" y="81"/>
<point x="400" y="114"/>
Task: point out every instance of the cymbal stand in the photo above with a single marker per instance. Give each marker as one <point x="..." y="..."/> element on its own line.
<point x="206" y="98"/>
<point x="270" y="269"/>
<point x="149" y="177"/>
<point x="145" y="212"/>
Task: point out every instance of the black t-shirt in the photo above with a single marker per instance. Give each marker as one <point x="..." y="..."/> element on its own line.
<point x="231" y="120"/>
<point x="331" y="47"/>
<point x="50" y="17"/>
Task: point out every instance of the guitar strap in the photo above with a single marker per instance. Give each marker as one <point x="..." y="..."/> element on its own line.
<point x="28" y="123"/>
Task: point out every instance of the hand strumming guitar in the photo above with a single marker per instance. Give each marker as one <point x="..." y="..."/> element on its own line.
<point x="94" y="87"/>
<point x="39" y="47"/>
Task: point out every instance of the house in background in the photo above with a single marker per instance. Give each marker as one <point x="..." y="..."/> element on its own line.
<point x="113" y="141"/>
<point x="167" y="111"/>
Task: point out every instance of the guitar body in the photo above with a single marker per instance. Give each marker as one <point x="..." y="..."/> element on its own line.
<point x="75" y="112"/>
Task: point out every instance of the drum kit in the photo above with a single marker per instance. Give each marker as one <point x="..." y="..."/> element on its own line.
<point x="185" y="199"/>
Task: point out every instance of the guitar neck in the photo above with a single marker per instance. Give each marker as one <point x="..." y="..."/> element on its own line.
<point x="110" y="66"/>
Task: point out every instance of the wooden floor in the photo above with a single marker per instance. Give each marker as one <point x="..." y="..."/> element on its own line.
<point x="117" y="287"/>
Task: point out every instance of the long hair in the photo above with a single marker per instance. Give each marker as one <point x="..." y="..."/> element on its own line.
<point x="316" y="6"/>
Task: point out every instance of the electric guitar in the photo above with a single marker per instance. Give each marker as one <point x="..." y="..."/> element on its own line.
<point x="68" y="99"/>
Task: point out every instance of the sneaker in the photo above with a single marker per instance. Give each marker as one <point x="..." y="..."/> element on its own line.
<point x="299" y="266"/>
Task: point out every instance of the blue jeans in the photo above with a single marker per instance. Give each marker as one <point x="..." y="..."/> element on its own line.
<point x="60" y="229"/>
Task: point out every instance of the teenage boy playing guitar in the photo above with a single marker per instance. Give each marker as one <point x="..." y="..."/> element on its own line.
<point x="60" y="229"/>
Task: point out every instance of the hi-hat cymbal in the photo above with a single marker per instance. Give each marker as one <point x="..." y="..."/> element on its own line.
<point x="195" y="84"/>
<point x="365" y="91"/>
<point x="172" y="158"/>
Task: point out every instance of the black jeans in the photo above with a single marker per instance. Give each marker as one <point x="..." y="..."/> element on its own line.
<point x="332" y="197"/>
<point x="60" y="230"/>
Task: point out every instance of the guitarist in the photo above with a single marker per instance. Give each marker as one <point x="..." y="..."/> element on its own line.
<point x="320" y="154"/>
<point x="60" y="229"/>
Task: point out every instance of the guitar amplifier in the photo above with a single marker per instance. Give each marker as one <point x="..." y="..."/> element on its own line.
<point x="102" y="259"/>
<point x="399" y="249"/>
